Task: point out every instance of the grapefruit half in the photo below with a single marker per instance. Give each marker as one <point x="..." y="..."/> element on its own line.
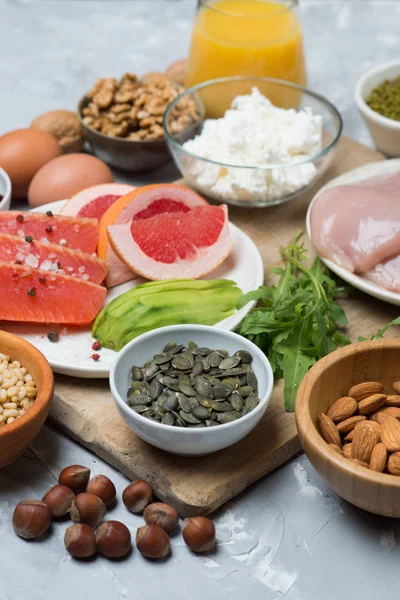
<point x="163" y="197"/>
<point x="95" y="200"/>
<point x="169" y="231"/>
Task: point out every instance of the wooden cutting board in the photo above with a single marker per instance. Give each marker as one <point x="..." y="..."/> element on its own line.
<point x="85" y="410"/>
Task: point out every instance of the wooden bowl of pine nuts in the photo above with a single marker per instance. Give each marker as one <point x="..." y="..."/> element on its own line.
<point x="343" y="375"/>
<point x="26" y="393"/>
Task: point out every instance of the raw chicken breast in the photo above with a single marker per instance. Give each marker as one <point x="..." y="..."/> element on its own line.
<point x="358" y="227"/>
<point x="387" y="275"/>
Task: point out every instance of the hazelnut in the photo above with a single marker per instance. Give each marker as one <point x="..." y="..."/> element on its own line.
<point x="199" y="534"/>
<point x="176" y="71"/>
<point x="161" y="514"/>
<point x="79" y="540"/>
<point x="31" y="519"/>
<point x="113" y="539"/>
<point x="88" y="508"/>
<point x="75" y="477"/>
<point x="137" y="496"/>
<point x="152" y="541"/>
<point x="102" y="487"/>
<point x="59" y="499"/>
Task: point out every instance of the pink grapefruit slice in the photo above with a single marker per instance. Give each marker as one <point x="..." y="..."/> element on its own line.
<point x="51" y="257"/>
<point x="162" y="198"/>
<point x="94" y="201"/>
<point x="171" y="237"/>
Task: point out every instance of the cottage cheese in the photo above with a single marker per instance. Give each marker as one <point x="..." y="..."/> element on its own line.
<point x="255" y="133"/>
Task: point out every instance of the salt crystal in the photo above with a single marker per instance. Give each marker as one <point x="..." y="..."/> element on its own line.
<point x="82" y="269"/>
<point x="52" y="255"/>
<point x="69" y="269"/>
<point x="21" y="233"/>
<point x="76" y="228"/>
<point x="20" y="256"/>
<point x="44" y="240"/>
<point x="31" y="261"/>
<point x="46" y="265"/>
<point x="61" y="272"/>
<point x="85" y="277"/>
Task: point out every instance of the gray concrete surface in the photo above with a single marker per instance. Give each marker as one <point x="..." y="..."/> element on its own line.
<point x="288" y="536"/>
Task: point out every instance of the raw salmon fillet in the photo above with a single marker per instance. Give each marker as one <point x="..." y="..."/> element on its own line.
<point x="52" y="257"/>
<point x="78" y="233"/>
<point x="35" y="296"/>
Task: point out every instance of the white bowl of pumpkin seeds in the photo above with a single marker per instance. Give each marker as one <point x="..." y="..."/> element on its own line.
<point x="161" y="385"/>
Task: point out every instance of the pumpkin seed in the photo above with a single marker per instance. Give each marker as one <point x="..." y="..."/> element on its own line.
<point x="221" y="406"/>
<point x="236" y="401"/>
<point x="245" y="357"/>
<point x="137" y="374"/>
<point x="221" y="390"/>
<point x="181" y="363"/>
<point x="155" y="389"/>
<point x="188" y="418"/>
<point x="197" y="369"/>
<point x="201" y="351"/>
<point x="184" y="403"/>
<point x="203" y="386"/>
<point x="245" y="390"/>
<point x="170" y="346"/>
<point x="187" y="386"/>
<point x="200" y="412"/>
<point x="229" y="363"/>
<point x="168" y="419"/>
<point x="252" y="380"/>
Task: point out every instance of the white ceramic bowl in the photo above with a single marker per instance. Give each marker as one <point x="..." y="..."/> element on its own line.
<point x="385" y="132"/>
<point x="180" y="440"/>
<point x="5" y="190"/>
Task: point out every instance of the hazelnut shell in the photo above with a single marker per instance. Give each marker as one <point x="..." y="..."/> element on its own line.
<point x="79" y="540"/>
<point x="88" y="508"/>
<point x="163" y="515"/>
<point x="113" y="539"/>
<point x="76" y="477"/>
<point x="103" y="487"/>
<point x="31" y="519"/>
<point x="199" y="534"/>
<point x="152" y="541"/>
<point x="137" y="495"/>
<point x="59" y="499"/>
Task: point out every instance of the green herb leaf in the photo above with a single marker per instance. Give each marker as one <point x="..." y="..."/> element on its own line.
<point x="295" y="322"/>
<point x="381" y="332"/>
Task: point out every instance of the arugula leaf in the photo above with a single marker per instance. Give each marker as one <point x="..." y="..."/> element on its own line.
<point x="381" y="332"/>
<point x="295" y="321"/>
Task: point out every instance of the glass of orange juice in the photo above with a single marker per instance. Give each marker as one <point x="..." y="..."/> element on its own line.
<point x="246" y="37"/>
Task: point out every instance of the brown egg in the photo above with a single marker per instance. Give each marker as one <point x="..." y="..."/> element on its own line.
<point x="65" y="176"/>
<point x="22" y="153"/>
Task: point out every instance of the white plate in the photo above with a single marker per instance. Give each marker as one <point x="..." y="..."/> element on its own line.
<point x="387" y="167"/>
<point x="72" y="354"/>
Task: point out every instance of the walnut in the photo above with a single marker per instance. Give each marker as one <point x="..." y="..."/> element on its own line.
<point x="134" y="109"/>
<point x="176" y="71"/>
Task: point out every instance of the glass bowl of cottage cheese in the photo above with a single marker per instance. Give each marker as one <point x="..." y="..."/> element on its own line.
<point x="258" y="142"/>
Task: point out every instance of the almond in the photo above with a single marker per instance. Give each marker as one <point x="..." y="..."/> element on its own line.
<point x="336" y="448"/>
<point x="390" y="429"/>
<point x="347" y="451"/>
<point x="393" y="400"/>
<point x="390" y="411"/>
<point x="378" y="458"/>
<point x="371" y="403"/>
<point x="394" y="463"/>
<point x="396" y="386"/>
<point x="329" y="431"/>
<point x="369" y="425"/>
<point x="363" y="443"/>
<point x="342" y="409"/>
<point x="363" y="390"/>
<point x="360" y="462"/>
<point x="349" y="424"/>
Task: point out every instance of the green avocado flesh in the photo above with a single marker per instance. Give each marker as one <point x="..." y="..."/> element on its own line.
<point x="160" y="303"/>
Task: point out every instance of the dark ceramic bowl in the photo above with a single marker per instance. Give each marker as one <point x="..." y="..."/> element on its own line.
<point x="128" y="155"/>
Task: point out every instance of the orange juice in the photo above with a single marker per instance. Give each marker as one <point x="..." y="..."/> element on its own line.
<point x="246" y="37"/>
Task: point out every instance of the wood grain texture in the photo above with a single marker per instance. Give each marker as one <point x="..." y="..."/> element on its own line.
<point x="329" y="379"/>
<point x="85" y="410"/>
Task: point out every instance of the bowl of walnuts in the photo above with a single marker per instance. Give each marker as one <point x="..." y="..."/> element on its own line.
<point x="122" y="119"/>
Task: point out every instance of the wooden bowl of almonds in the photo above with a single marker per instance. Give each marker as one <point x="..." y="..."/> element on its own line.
<point x="348" y="420"/>
<point x="122" y="119"/>
<point x="26" y="393"/>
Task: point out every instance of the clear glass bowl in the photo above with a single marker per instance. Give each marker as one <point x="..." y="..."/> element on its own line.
<point x="251" y="185"/>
